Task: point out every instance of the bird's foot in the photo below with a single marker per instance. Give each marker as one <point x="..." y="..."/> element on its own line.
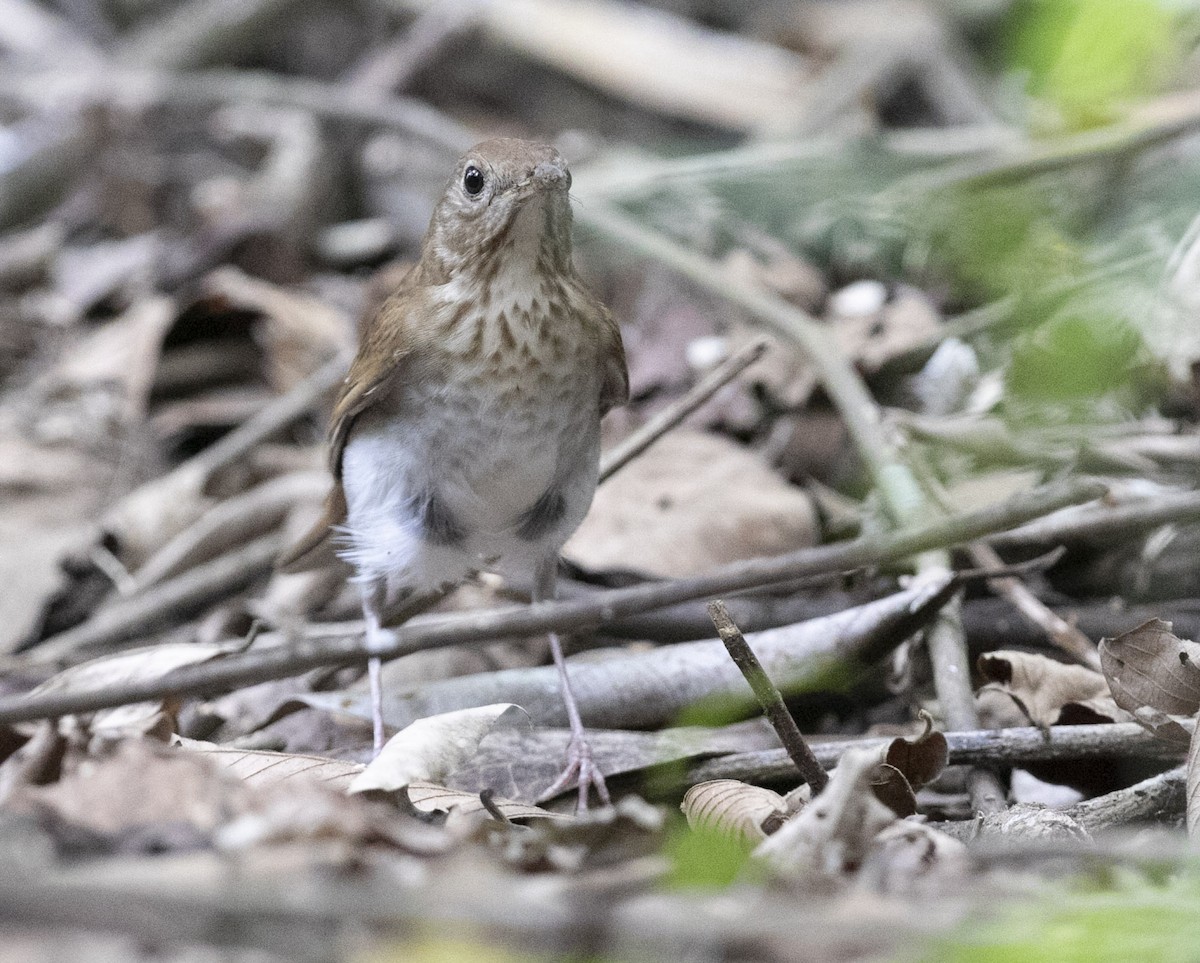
<point x="581" y="767"/>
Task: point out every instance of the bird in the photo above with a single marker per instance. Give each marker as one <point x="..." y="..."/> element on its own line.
<point x="466" y="435"/>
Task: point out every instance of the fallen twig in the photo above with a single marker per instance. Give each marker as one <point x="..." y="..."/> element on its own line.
<point x="999" y="747"/>
<point x="618" y="457"/>
<point x="165" y="604"/>
<point x="1103" y="523"/>
<point x="769" y="698"/>
<point x="1058" y="630"/>
<point x="261" y="666"/>
<point x="1154" y="799"/>
<point x="230" y="523"/>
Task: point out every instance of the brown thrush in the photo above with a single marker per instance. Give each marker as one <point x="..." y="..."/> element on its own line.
<point x="467" y="434"/>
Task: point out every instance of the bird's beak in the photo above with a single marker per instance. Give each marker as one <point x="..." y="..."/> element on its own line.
<point x="551" y="174"/>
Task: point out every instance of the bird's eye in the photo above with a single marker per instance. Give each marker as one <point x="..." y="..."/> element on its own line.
<point x="473" y="180"/>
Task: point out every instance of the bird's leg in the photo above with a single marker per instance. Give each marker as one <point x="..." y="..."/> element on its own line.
<point x="373" y="597"/>
<point x="580" y="764"/>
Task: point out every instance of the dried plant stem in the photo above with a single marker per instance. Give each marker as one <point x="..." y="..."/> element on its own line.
<point x="768" y="697"/>
<point x="1058" y="630"/>
<point x="559" y="616"/>
<point x="1155" y="799"/>
<point x="1006" y="747"/>
<point x="673" y="414"/>
<point x="230" y="524"/>
<point x="1152" y="124"/>
<point x="213" y="87"/>
<point x="165" y="604"/>
<point x="1105" y="523"/>
<point x="278" y="414"/>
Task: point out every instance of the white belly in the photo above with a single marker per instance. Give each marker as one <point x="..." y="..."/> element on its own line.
<point x="486" y="464"/>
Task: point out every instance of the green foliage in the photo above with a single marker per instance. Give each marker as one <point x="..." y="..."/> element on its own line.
<point x="703" y="858"/>
<point x="1085" y="56"/>
<point x="1138" y="921"/>
<point x="717" y="710"/>
<point x="1073" y="357"/>
<point x="997" y="243"/>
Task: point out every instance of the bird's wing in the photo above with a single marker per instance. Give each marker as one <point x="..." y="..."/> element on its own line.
<point x="387" y="339"/>
<point x="614" y="390"/>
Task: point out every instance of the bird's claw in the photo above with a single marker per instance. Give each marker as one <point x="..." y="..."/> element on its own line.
<point x="580" y="768"/>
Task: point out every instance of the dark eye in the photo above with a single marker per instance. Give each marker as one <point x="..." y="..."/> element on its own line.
<point x="473" y="180"/>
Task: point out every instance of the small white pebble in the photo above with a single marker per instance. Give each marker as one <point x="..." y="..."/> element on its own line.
<point x="858" y="299"/>
<point x="705" y="353"/>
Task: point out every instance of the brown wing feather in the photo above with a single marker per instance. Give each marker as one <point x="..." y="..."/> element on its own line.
<point x="614" y="390"/>
<point x="387" y="339"/>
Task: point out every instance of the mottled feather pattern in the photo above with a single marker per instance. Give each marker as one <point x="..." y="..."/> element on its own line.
<point x="488" y="367"/>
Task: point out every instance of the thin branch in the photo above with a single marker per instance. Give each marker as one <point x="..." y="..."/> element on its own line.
<point x="275" y="416"/>
<point x="617" y="458"/>
<point x="145" y="88"/>
<point x="1104" y="523"/>
<point x="559" y="616"/>
<point x="1018" y="746"/>
<point x="165" y="604"/>
<point x="1151" y="124"/>
<point x="1058" y="630"/>
<point x="768" y="697"/>
<point x="1157" y="798"/>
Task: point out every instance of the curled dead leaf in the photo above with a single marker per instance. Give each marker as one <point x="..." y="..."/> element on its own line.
<point x="732" y="808"/>
<point x="262" y="768"/>
<point x="1050" y="693"/>
<point x="893" y="790"/>
<point x="921" y="760"/>
<point x="1193" y="786"/>
<point x="430" y="749"/>
<point x="1151" y="666"/>
<point x="430" y="797"/>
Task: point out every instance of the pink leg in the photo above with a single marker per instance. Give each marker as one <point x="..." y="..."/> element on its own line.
<point x="372" y="612"/>
<point x="580" y="766"/>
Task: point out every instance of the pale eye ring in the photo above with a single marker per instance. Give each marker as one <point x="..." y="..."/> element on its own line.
<point x="473" y="180"/>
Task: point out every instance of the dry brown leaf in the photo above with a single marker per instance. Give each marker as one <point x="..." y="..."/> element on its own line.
<point x="430" y="797"/>
<point x="692" y="502"/>
<point x="1193" y="784"/>
<point x="431" y="749"/>
<point x="301" y="331"/>
<point x="124" y="668"/>
<point x="892" y="789"/>
<point x="259" y="767"/>
<point x="122" y="356"/>
<point x="1151" y="666"/>
<point x="294" y="797"/>
<point x="832" y="834"/>
<point x="732" y="808"/>
<point x="921" y="760"/>
<point x="1050" y="693"/>
<point x="140" y="784"/>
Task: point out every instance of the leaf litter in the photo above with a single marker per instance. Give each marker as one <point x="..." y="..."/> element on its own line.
<point x="172" y="297"/>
